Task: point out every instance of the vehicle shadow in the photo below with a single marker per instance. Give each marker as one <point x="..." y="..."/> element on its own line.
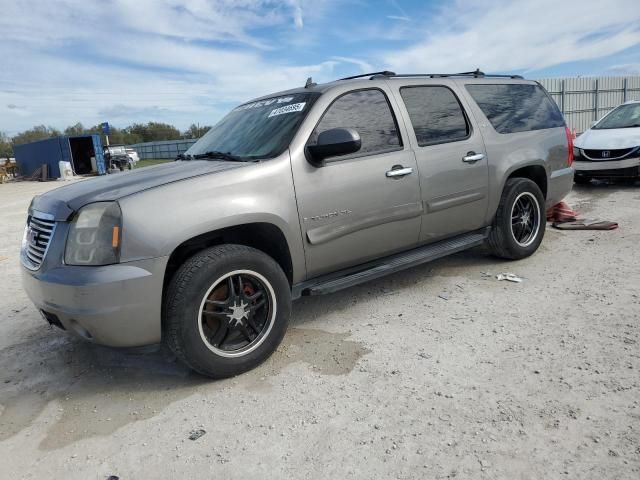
<point x="599" y="189"/>
<point x="308" y="309"/>
<point x="606" y="187"/>
<point x="85" y="390"/>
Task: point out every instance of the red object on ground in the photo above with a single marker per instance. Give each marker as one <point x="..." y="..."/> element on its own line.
<point x="570" y="138"/>
<point x="561" y="212"/>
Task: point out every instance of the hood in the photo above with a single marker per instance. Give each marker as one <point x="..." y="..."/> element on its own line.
<point x="608" y="139"/>
<point x="62" y="202"/>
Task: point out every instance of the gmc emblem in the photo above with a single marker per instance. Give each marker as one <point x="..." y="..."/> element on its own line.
<point x="606" y="154"/>
<point x="32" y="236"/>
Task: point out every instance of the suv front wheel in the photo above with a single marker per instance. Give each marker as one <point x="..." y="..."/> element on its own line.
<point x="226" y="310"/>
<point x="520" y="221"/>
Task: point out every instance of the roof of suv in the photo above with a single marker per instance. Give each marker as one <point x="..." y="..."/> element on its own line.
<point x="385" y="75"/>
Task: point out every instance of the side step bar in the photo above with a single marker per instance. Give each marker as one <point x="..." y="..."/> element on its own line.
<point x="363" y="273"/>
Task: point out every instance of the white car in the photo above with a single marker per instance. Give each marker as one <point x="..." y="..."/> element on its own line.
<point x="133" y="155"/>
<point x="611" y="147"/>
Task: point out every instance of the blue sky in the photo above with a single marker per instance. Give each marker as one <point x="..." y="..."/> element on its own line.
<point x="189" y="61"/>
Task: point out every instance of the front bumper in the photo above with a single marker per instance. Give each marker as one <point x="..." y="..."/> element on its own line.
<point x="115" y="305"/>
<point x="606" y="167"/>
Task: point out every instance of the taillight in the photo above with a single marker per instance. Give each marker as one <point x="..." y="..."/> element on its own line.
<point x="569" y="146"/>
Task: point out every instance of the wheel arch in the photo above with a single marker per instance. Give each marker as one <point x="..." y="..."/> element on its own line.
<point x="536" y="173"/>
<point x="263" y="236"/>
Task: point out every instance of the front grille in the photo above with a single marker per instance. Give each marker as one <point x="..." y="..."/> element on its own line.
<point x="608" y="154"/>
<point x="37" y="238"/>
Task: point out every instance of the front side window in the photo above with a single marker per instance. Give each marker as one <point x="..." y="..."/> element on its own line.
<point x="624" y="116"/>
<point x="516" y="107"/>
<point x="436" y="114"/>
<point x="257" y="130"/>
<point x="368" y="112"/>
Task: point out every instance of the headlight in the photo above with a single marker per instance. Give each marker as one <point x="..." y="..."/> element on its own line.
<point x="94" y="236"/>
<point x="576" y="152"/>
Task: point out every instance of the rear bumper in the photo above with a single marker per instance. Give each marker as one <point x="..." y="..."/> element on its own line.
<point x="115" y="305"/>
<point x="560" y="184"/>
<point x="606" y="168"/>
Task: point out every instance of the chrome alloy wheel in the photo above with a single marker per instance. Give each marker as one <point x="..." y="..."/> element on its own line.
<point x="525" y="219"/>
<point x="237" y="313"/>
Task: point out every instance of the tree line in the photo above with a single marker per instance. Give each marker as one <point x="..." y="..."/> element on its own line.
<point x="135" y="133"/>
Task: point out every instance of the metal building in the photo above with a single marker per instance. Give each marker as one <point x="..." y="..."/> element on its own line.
<point x="77" y="150"/>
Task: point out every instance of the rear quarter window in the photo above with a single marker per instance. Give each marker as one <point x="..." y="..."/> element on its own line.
<point x="515" y="108"/>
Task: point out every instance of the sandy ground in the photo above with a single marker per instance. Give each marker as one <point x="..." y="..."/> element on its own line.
<point x="437" y="372"/>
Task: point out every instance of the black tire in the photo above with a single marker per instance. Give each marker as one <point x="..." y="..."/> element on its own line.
<point x="191" y="290"/>
<point x="502" y="239"/>
<point x="582" y="179"/>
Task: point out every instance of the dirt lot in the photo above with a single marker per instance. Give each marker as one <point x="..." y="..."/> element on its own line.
<point x="438" y="372"/>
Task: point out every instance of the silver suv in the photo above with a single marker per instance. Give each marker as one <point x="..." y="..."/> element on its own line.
<point x="303" y="192"/>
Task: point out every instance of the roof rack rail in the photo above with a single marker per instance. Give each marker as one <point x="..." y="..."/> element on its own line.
<point x="477" y="73"/>
<point x="385" y="73"/>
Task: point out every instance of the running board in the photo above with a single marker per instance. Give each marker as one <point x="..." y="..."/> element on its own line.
<point x="394" y="263"/>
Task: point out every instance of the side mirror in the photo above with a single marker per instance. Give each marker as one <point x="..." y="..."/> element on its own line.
<point x="334" y="142"/>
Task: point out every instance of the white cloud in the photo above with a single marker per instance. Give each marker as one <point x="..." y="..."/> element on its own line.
<point x="171" y="60"/>
<point x="297" y="14"/>
<point x="624" y="69"/>
<point x="185" y="61"/>
<point x="498" y="35"/>
<point x="362" y="64"/>
<point x="399" y="17"/>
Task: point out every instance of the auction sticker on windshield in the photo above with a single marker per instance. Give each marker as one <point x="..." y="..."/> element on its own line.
<point x="294" y="107"/>
<point x="263" y="103"/>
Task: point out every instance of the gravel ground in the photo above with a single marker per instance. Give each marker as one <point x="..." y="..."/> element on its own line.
<point x="437" y="372"/>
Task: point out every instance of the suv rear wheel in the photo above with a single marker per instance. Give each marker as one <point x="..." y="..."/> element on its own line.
<point x="520" y="221"/>
<point x="226" y="310"/>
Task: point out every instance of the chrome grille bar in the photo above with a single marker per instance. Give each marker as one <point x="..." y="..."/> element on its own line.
<point x="38" y="234"/>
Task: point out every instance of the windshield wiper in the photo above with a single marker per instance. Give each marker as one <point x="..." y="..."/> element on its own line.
<point x="182" y="156"/>
<point x="214" y="154"/>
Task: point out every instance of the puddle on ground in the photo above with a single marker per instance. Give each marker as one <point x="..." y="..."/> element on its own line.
<point x="99" y="390"/>
<point x="326" y="353"/>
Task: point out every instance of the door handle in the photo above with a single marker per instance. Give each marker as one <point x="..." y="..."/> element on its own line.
<point x="399" y="171"/>
<point x="472" y="157"/>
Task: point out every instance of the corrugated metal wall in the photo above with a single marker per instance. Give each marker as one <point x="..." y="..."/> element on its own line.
<point x="168" y="149"/>
<point x="584" y="100"/>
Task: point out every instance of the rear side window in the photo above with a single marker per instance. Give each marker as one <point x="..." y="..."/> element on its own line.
<point x="516" y="107"/>
<point x="369" y="113"/>
<point x="436" y="114"/>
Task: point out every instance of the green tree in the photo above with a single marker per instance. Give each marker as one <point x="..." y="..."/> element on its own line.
<point x="6" y="150"/>
<point x="39" y="132"/>
<point x="155" y="131"/>
<point x="196" y="131"/>
<point x="75" y="130"/>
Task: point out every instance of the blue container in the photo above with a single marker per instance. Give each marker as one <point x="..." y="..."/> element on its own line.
<point x="76" y="150"/>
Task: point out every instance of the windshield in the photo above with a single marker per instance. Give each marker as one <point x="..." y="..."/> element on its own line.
<point x="257" y="130"/>
<point x="625" y="116"/>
